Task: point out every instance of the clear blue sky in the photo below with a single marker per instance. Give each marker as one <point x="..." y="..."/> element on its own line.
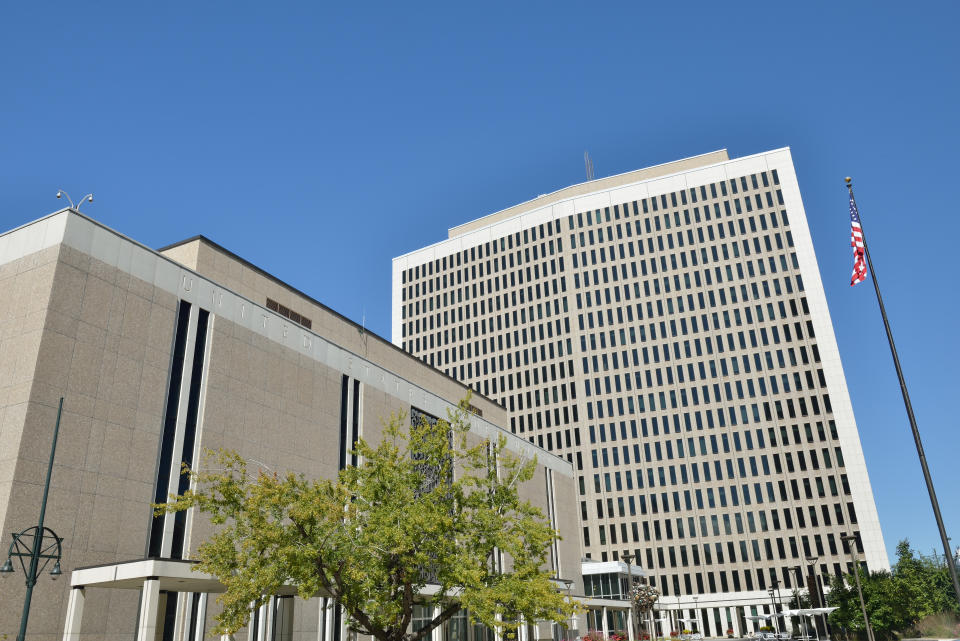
<point x="319" y="141"/>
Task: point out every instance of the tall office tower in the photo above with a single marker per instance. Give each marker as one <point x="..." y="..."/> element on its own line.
<point x="666" y="330"/>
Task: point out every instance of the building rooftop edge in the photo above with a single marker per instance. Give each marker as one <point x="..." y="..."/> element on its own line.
<point x="202" y="238"/>
<point x="590" y="193"/>
<point x="453" y="232"/>
<point x="246" y="263"/>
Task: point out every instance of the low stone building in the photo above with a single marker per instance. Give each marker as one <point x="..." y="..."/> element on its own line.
<point x="157" y="355"/>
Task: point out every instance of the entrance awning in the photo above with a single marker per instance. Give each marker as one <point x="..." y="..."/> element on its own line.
<point x="172" y="576"/>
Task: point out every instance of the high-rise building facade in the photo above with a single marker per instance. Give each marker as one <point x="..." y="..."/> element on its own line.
<point x="667" y="332"/>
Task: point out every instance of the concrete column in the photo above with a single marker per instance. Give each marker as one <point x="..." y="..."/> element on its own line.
<point x="606" y="632"/>
<point x="149" y="604"/>
<point x="320" y="619"/>
<point x="200" y="624"/>
<point x="630" y="636"/>
<point x="271" y="607"/>
<point x="181" y="615"/>
<point x="71" y="629"/>
<point x="263" y="619"/>
<point x="325" y="620"/>
<point x="437" y="633"/>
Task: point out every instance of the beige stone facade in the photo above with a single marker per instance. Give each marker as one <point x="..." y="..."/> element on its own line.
<point x="160" y="354"/>
<point x="666" y="332"/>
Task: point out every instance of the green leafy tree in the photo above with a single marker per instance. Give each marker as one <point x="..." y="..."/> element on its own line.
<point x="423" y="506"/>
<point x="916" y="586"/>
<point x="928" y="580"/>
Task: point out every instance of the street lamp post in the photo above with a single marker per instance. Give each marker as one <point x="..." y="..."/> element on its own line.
<point x="796" y="597"/>
<point x="779" y="598"/>
<point x="776" y="589"/>
<point x="697" y="612"/>
<point x="773" y="609"/>
<point x="627" y="557"/>
<point x="814" y="590"/>
<point x="36" y="543"/>
<point x="852" y="540"/>
<point x="567" y="583"/>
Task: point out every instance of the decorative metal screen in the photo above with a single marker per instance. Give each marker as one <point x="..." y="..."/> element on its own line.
<point x="431" y="473"/>
<point x="419" y="418"/>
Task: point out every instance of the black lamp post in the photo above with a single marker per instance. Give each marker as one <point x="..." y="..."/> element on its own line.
<point x="816" y="594"/>
<point x="567" y="584"/>
<point x="796" y="597"/>
<point x="36" y="543"/>
<point x="773" y="610"/>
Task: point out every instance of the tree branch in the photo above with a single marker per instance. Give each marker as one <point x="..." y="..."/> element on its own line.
<point x="442" y="618"/>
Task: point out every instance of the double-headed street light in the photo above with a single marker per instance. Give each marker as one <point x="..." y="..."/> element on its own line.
<point x="36" y="544"/>
<point x="773" y="609"/>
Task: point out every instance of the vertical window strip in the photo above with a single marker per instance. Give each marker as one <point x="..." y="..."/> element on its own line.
<point x="168" y="439"/>
<point x="337" y="622"/>
<point x="254" y="624"/>
<point x="344" y="410"/>
<point x="169" y="616"/>
<point x="552" y="516"/>
<point x="194" y="617"/>
<point x="356" y="421"/>
<point x="190" y="429"/>
<point x="324" y="604"/>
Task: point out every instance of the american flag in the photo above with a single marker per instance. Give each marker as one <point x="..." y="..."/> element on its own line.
<point x="856" y="241"/>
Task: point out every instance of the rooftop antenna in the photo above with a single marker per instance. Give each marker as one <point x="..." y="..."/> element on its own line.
<point x="88" y="198"/>
<point x="588" y="163"/>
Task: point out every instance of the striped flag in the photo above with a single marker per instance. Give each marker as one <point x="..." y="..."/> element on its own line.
<point x="856" y="241"/>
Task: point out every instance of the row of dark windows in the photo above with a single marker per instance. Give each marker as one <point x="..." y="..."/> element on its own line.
<point x="612" y="482"/>
<point x="617" y="456"/>
<point x="414" y="291"/>
<point x="463" y="275"/>
<point x="633" y="505"/>
<point x="714" y="581"/>
<point x="498" y="282"/>
<point x="718" y="547"/>
<point x="550" y="228"/>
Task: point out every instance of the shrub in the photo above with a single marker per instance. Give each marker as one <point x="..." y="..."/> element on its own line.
<point x="943" y="625"/>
